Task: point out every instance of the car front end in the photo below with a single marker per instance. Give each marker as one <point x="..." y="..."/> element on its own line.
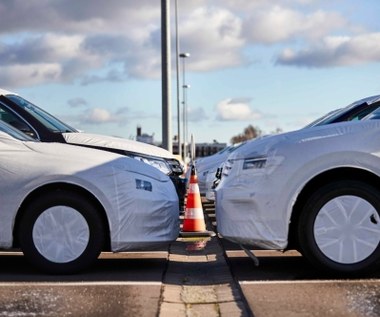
<point x="147" y="208"/>
<point x="247" y="211"/>
<point x="262" y="181"/>
<point x="149" y="154"/>
<point x="140" y="203"/>
<point x="42" y="126"/>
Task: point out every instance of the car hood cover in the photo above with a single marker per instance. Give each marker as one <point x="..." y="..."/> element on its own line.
<point x="103" y="141"/>
<point x="86" y="158"/>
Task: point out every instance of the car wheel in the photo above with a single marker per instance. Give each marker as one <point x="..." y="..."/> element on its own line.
<point x="339" y="227"/>
<point x="61" y="233"/>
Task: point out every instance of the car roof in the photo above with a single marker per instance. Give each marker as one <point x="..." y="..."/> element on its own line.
<point x="6" y="92"/>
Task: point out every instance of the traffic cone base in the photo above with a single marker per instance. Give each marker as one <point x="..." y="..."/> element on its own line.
<point x="193" y="225"/>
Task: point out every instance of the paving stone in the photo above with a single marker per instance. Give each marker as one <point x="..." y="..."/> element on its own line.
<point x="198" y="282"/>
<point x="203" y="310"/>
<point x="198" y="294"/>
<point x="172" y="294"/>
<point x="233" y="309"/>
<point x="227" y="293"/>
<point x="172" y="310"/>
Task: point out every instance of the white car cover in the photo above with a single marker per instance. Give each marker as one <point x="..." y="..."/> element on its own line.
<point x="104" y="141"/>
<point x="254" y="205"/>
<point x="140" y="202"/>
<point x="207" y="166"/>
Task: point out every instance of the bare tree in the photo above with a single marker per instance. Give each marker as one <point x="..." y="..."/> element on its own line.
<point x="249" y="132"/>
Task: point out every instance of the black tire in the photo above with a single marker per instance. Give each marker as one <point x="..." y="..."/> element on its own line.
<point x="339" y="227"/>
<point x="47" y="227"/>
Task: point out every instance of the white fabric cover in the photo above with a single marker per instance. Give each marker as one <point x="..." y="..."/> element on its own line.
<point x="253" y="206"/>
<point x="104" y="141"/>
<point x="207" y="166"/>
<point x="137" y="218"/>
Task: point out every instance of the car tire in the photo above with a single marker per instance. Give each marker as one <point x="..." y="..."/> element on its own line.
<point x="339" y="227"/>
<point x="61" y="232"/>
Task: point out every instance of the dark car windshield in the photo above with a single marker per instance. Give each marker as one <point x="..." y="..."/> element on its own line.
<point x="49" y="121"/>
<point x="5" y="127"/>
<point x="353" y="112"/>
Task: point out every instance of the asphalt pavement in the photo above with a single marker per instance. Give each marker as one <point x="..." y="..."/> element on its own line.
<point x="194" y="277"/>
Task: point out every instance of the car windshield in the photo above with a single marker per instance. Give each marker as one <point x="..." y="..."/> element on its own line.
<point x="375" y="115"/>
<point x="49" y="121"/>
<point x="325" y="118"/>
<point x="353" y="112"/>
<point x="5" y="127"/>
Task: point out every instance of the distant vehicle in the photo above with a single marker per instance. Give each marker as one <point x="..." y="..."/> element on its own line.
<point x="63" y="205"/>
<point x="42" y="126"/>
<point x="207" y="166"/>
<point x="316" y="190"/>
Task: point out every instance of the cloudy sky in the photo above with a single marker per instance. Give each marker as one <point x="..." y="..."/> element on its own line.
<point x="275" y="64"/>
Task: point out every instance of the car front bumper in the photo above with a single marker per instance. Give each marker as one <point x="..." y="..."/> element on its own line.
<point x="249" y="215"/>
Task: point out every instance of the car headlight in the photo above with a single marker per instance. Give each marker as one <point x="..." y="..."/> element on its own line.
<point x="143" y="185"/>
<point x="254" y="163"/>
<point x="155" y="162"/>
<point x="175" y="166"/>
<point x="247" y="164"/>
<point x="227" y="167"/>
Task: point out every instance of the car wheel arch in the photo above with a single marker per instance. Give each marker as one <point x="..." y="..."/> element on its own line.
<point x="69" y="188"/>
<point x="336" y="174"/>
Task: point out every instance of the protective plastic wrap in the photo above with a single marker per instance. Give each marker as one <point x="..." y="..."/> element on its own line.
<point x="140" y="202"/>
<point x="115" y="143"/>
<point x="254" y="200"/>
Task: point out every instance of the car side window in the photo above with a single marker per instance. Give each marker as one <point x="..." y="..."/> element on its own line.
<point x="12" y="119"/>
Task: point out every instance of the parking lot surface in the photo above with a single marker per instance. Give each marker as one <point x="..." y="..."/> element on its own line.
<point x="193" y="277"/>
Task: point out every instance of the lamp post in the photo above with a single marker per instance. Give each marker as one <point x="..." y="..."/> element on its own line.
<point x="177" y="73"/>
<point x="185" y="87"/>
<point x="183" y="56"/>
<point x="166" y="83"/>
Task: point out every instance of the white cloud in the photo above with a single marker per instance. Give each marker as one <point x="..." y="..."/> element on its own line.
<point x="46" y="41"/>
<point x="29" y="75"/>
<point x="102" y="116"/>
<point x="47" y="58"/>
<point x="335" y="51"/>
<point x="213" y="36"/>
<point x="235" y="110"/>
<point x="77" y="102"/>
<point x="196" y="114"/>
<point x="98" y="115"/>
<point x="278" y="24"/>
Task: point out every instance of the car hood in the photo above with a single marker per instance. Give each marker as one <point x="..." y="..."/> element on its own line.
<point x="71" y="159"/>
<point x="316" y="139"/>
<point x="103" y="141"/>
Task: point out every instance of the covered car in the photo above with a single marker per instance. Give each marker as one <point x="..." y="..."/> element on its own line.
<point x="210" y="167"/>
<point x="316" y="190"/>
<point x="41" y="125"/>
<point x="63" y="205"/>
<point x="207" y="166"/>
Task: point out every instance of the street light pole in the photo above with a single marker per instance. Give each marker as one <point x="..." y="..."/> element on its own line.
<point x="184" y="86"/>
<point x="185" y="134"/>
<point x="177" y="71"/>
<point x="166" y="83"/>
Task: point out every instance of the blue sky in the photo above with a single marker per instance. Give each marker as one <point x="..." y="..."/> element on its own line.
<point x="269" y="63"/>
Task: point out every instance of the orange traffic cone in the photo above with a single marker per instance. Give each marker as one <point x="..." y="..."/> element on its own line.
<point x="194" y="223"/>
